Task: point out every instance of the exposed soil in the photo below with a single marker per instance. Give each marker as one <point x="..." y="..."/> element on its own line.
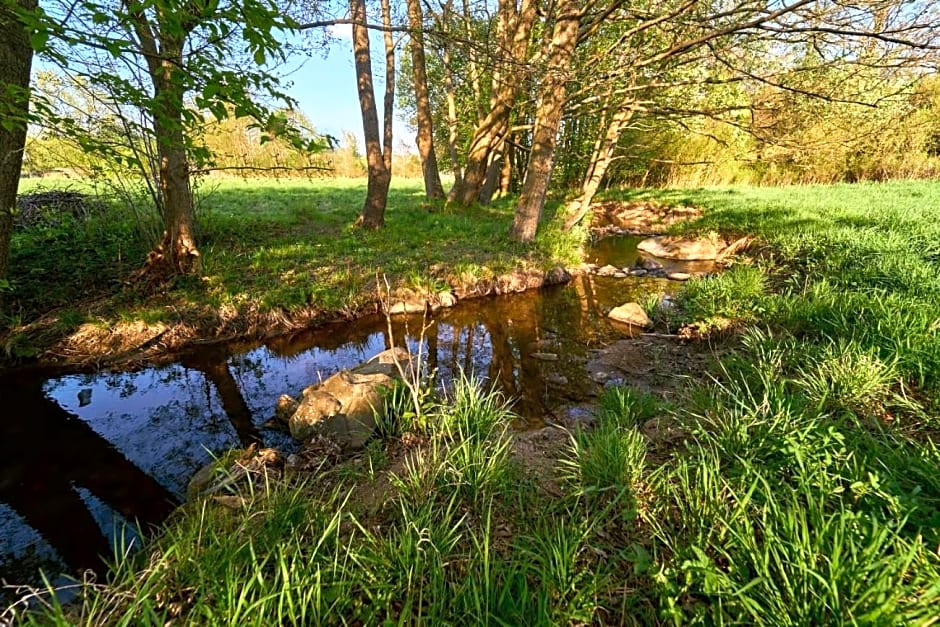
<point x="96" y="345"/>
<point x="658" y="364"/>
<point x="652" y="363"/>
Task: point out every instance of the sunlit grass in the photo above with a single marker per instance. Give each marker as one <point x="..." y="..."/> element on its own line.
<point x="271" y="245"/>
<point x="799" y="484"/>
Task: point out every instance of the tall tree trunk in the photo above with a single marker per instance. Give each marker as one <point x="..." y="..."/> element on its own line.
<point x="491" y="182"/>
<point x="601" y="157"/>
<point x="177" y="252"/>
<point x="388" y="108"/>
<point x="373" y="210"/>
<point x="451" y="95"/>
<point x="505" y="176"/>
<point x="472" y="66"/>
<point x="425" y="139"/>
<point x="16" y="57"/>
<point x="547" y="120"/>
<point x="491" y="131"/>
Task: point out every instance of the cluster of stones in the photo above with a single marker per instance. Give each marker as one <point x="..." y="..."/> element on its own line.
<point x="645" y="267"/>
<point x="413" y="302"/>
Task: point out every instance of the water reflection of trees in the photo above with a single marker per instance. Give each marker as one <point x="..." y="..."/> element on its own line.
<point x="47" y="453"/>
<point x="214" y="367"/>
<point x="50" y="451"/>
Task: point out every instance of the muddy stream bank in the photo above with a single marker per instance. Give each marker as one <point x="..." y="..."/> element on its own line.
<point x="83" y="455"/>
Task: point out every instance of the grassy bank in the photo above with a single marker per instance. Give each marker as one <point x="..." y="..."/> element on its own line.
<point x="275" y="255"/>
<point x="796" y="485"/>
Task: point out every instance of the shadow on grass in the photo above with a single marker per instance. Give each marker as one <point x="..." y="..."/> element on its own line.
<point x="269" y="246"/>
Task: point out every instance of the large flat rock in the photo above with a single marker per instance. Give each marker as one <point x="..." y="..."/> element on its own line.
<point x="632" y="314"/>
<point x="683" y="248"/>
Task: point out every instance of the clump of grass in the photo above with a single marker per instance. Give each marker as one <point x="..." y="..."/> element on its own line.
<point x="736" y="294"/>
<point x="606" y="464"/>
<point x="473" y="430"/>
<point x="627" y="407"/>
<point x="845" y="376"/>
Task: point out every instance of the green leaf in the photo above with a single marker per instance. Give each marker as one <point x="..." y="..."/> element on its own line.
<point x="39" y="39"/>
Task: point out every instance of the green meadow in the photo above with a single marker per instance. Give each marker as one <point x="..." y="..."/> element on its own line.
<point x="800" y="484"/>
<point x="272" y="248"/>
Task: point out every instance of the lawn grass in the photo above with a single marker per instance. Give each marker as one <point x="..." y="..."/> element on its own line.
<point x="796" y="484"/>
<point x="270" y="250"/>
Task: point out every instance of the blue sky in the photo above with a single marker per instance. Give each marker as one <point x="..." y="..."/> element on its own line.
<point x="325" y="88"/>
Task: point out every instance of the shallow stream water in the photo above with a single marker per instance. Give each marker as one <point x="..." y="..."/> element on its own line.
<point x="83" y="455"/>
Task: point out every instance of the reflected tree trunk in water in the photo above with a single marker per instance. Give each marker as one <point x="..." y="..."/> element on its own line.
<point x="233" y="402"/>
<point x="468" y="354"/>
<point x="432" y="353"/>
<point x="502" y="371"/>
<point x="527" y="318"/>
<point x="67" y="454"/>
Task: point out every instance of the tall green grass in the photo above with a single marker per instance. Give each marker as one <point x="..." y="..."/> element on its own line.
<point x="807" y="492"/>
<point x="434" y="550"/>
<point x="799" y="484"/>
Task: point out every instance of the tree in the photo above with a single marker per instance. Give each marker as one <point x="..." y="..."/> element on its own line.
<point x="514" y="26"/>
<point x="547" y="119"/>
<point x="676" y="66"/>
<point x="378" y="158"/>
<point x="16" y="57"/>
<point x="691" y="66"/>
<point x="425" y="139"/>
<point x="154" y="56"/>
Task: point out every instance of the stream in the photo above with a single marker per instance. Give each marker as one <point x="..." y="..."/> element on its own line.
<point x="86" y="455"/>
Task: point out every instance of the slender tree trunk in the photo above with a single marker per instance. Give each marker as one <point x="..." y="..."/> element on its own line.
<point x="473" y="66"/>
<point x="601" y="157"/>
<point x="505" y="175"/>
<point x="373" y="210"/>
<point x="16" y="57"/>
<point x="490" y="132"/>
<point x="452" y="127"/>
<point x="491" y="182"/>
<point x="177" y="252"/>
<point x="388" y="108"/>
<point x="547" y="120"/>
<point x="450" y="93"/>
<point x="425" y="139"/>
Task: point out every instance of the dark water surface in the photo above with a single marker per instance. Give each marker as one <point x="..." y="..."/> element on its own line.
<point x="84" y="455"/>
